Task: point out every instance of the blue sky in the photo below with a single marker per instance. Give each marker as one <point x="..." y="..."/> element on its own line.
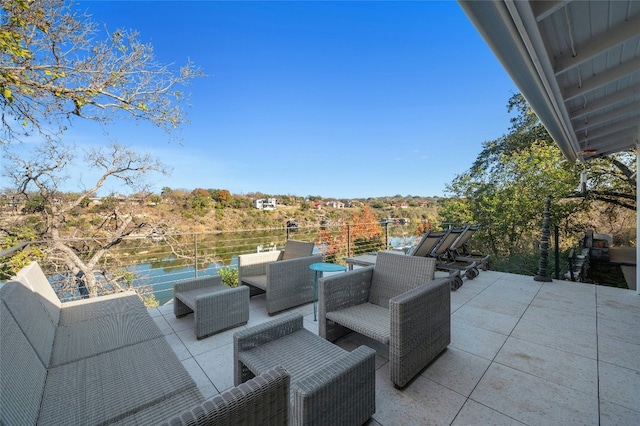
<point x="338" y="99"/>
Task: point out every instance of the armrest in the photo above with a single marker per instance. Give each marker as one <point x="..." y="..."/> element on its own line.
<point x="340" y="291"/>
<point x="347" y="386"/>
<point x="291" y="271"/>
<point x="208" y="299"/>
<point x="259" y="401"/>
<point x="420" y="328"/>
<point x="195" y="283"/>
<point x="260" y="334"/>
<point x="105" y="298"/>
<point x="95" y="307"/>
<point x="256" y="263"/>
<point x="428" y="301"/>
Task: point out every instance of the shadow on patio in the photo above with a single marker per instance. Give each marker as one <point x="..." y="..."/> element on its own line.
<point x="521" y="352"/>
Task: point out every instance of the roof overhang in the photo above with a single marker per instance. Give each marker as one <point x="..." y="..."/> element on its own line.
<point x="576" y="62"/>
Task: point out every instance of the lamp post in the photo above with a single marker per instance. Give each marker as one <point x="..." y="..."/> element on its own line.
<point x="544" y="245"/>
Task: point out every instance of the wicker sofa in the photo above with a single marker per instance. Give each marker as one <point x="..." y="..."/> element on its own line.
<point x="397" y="302"/>
<point x="101" y="361"/>
<point x="284" y="275"/>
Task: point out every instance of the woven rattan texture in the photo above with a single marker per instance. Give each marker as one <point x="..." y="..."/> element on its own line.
<point x="419" y="310"/>
<point x="329" y="386"/>
<point x="215" y="307"/>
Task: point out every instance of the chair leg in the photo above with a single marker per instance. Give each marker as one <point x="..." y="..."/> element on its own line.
<point x="180" y="309"/>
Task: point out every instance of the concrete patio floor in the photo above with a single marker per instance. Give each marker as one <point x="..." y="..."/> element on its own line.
<point x="521" y="352"/>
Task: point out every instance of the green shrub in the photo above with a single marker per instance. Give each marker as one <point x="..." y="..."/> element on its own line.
<point x="229" y="275"/>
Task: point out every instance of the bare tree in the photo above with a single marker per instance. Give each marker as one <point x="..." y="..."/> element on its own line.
<point x="46" y="170"/>
<point x="53" y="67"/>
<point x="58" y="65"/>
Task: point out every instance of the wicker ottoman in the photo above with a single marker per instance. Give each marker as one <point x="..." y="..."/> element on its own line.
<point x="329" y="386"/>
<point x="215" y="306"/>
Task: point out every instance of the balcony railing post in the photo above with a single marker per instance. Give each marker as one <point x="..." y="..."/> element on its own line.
<point x="195" y="251"/>
<point x="544" y="245"/>
<point x="386" y="235"/>
<point x="556" y="234"/>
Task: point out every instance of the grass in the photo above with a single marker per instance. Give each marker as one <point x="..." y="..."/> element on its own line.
<point x="527" y="264"/>
<point x="606" y="274"/>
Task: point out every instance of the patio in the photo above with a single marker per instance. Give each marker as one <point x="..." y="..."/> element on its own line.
<point x="521" y="352"/>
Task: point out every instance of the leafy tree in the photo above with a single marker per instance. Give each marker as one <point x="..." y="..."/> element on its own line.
<point x="35" y="204"/>
<point x="155" y="199"/>
<point x="331" y="245"/>
<point x="365" y="224"/>
<point x="222" y="196"/>
<point x="21" y="258"/>
<point x="201" y="192"/>
<point x="365" y="231"/>
<point x="200" y="200"/>
<point x="54" y="67"/>
<point x="612" y="180"/>
<point x="86" y="202"/>
<point x="506" y="187"/>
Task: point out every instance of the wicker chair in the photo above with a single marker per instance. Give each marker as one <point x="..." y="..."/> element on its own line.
<point x="329" y="385"/>
<point x="261" y="401"/>
<point x="396" y="302"/>
<point x="283" y="275"/>
<point x="215" y="306"/>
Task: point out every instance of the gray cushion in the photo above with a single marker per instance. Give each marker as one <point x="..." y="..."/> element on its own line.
<point x="92" y="337"/>
<point x="367" y="319"/>
<point x="34" y="319"/>
<point x="110" y="386"/>
<point x="22" y="374"/>
<point x="293" y="249"/>
<point x="259" y="281"/>
<point x="86" y="309"/>
<point x="396" y="274"/>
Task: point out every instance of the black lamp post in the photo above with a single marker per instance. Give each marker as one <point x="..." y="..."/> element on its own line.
<point x="544" y="245"/>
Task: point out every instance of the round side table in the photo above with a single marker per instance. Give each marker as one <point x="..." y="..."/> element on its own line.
<point x="321" y="267"/>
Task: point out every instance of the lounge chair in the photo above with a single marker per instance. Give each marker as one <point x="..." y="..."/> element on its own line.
<point x="397" y="302"/>
<point x="441" y="253"/>
<point x="459" y="251"/>
<point x="284" y="275"/>
<point x="427" y="246"/>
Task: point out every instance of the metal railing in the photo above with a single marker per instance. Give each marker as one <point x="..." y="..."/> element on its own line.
<point x="157" y="260"/>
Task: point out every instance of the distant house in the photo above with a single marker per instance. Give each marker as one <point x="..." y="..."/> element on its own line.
<point x="265" y="204"/>
<point x="400" y="205"/>
<point x="335" y="204"/>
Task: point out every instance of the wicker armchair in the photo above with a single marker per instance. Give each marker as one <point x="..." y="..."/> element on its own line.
<point x="261" y="401"/>
<point x="329" y="385"/>
<point x="283" y="275"/>
<point x="215" y="306"/>
<point x="396" y="302"/>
